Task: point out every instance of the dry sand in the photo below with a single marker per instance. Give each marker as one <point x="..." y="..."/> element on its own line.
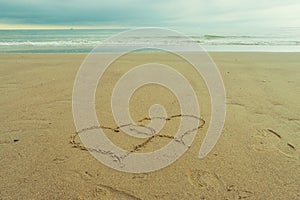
<point x="256" y="157"/>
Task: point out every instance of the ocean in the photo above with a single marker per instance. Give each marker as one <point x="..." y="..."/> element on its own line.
<point x="83" y="41"/>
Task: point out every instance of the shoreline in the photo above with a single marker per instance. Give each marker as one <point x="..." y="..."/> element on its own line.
<point x="220" y="51"/>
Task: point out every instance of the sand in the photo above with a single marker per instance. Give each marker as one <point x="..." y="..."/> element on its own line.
<point x="256" y="157"/>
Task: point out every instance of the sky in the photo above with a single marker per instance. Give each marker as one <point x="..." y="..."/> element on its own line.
<point x="189" y="14"/>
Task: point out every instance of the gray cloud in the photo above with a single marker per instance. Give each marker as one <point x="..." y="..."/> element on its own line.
<point x="192" y="13"/>
<point x="75" y="12"/>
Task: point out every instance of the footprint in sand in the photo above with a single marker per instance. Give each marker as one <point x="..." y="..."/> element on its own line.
<point x="109" y="192"/>
<point x="206" y="180"/>
<point x="267" y="140"/>
<point x="272" y="140"/>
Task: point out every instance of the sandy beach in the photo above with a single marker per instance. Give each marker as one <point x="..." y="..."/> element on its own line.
<point x="256" y="157"/>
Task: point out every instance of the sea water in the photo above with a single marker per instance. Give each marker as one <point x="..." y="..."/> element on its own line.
<point x="84" y="40"/>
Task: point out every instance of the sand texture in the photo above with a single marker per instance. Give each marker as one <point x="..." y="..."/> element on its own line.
<point x="256" y="157"/>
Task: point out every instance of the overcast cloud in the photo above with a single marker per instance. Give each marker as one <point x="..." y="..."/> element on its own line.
<point x="167" y="13"/>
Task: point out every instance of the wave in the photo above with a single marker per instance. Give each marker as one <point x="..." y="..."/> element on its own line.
<point x="227" y="36"/>
<point x="83" y="43"/>
<point x="51" y="43"/>
<point x="164" y="41"/>
<point x="251" y="43"/>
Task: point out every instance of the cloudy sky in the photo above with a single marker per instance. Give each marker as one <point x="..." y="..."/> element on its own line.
<point x="206" y="14"/>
